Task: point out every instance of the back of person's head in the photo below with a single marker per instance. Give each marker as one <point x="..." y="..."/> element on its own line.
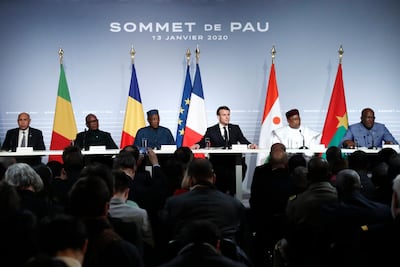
<point x="358" y="160"/>
<point x="333" y="153"/>
<point x="201" y="170"/>
<point x="73" y="159"/>
<point x="299" y="179"/>
<point x="278" y="158"/>
<point x="318" y="170"/>
<point x="62" y="232"/>
<point x="385" y="154"/>
<point x="55" y="167"/>
<point x="102" y="171"/>
<point x="121" y="181"/>
<point x="124" y="160"/>
<point x="88" y="197"/>
<point x="199" y="232"/>
<point x="9" y="199"/>
<point x="132" y="149"/>
<point x="347" y="182"/>
<point x="379" y="174"/>
<point x="184" y="154"/>
<point x="296" y="160"/>
<point x="394" y="166"/>
<point x="23" y="176"/>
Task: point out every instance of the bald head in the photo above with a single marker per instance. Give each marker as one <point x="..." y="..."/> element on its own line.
<point x="347" y="181"/>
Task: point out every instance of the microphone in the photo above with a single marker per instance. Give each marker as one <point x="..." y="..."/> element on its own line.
<point x="304" y="141"/>
<point x="84" y="140"/>
<point x="372" y="141"/>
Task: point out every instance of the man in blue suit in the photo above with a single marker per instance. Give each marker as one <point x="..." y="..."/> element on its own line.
<point x="223" y="135"/>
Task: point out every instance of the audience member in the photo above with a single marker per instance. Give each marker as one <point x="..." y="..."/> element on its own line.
<point x="295" y="135"/>
<point x="89" y="200"/>
<point x="223" y="135"/>
<point x="28" y="184"/>
<point x="146" y="189"/>
<point x="367" y="133"/>
<point x="271" y="188"/>
<point x="129" y="211"/>
<point x="204" y="201"/>
<point x="71" y="169"/>
<point x="18" y="226"/>
<point x="382" y="182"/>
<point x="63" y="237"/>
<point x="201" y="245"/>
<point x="155" y="134"/>
<point x="358" y="161"/>
<point x="24" y="136"/>
<point x="175" y="169"/>
<point x="306" y="234"/>
<point x="353" y="220"/>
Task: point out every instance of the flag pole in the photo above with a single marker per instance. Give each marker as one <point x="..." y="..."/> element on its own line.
<point x="132" y="52"/>
<point x="197" y="54"/>
<point x="188" y="54"/>
<point x="273" y="53"/>
<point x="61" y="55"/>
<point x="341" y="51"/>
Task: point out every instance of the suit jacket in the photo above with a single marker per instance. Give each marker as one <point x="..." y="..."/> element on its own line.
<point x="95" y="138"/>
<point x="217" y="140"/>
<point x="35" y="139"/>
<point x="206" y="202"/>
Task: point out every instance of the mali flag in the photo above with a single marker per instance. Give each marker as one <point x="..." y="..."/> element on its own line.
<point x="64" y="125"/>
<point x="134" y="115"/>
<point x="336" y="122"/>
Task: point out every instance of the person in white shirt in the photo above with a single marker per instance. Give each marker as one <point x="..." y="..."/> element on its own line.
<point x="295" y="135"/>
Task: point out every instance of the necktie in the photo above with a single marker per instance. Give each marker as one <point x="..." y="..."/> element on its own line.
<point x="23" y="141"/>
<point x="226" y="136"/>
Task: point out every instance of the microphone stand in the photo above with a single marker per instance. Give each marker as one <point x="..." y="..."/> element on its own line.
<point x="304" y="141"/>
<point x="84" y="140"/>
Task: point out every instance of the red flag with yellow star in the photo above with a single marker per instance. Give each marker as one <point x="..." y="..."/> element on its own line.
<point x="336" y="122"/>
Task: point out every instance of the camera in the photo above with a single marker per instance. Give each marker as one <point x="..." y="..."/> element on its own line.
<point x="143" y="151"/>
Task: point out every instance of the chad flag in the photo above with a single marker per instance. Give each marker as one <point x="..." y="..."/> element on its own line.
<point x="134" y="115"/>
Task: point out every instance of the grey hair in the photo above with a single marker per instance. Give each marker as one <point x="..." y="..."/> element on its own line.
<point x="21" y="175"/>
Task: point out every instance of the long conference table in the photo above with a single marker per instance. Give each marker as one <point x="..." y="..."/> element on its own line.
<point x="206" y="152"/>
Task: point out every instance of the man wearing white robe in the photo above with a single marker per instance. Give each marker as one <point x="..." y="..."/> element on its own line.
<point x="294" y="135"/>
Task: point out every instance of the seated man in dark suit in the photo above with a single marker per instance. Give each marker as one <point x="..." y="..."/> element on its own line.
<point x="203" y="201"/>
<point x="223" y="135"/>
<point x="24" y="136"/>
<point x="95" y="137"/>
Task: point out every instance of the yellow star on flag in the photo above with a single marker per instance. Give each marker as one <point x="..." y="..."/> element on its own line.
<point x="342" y="121"/>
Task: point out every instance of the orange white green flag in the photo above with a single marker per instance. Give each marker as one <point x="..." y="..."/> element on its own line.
<point x="271" y="119"/>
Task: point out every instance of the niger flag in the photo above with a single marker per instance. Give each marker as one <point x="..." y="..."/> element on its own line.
<point x="336" y="122"/>
<point x="271" y="119"/>
<point x="64" y="125"/>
